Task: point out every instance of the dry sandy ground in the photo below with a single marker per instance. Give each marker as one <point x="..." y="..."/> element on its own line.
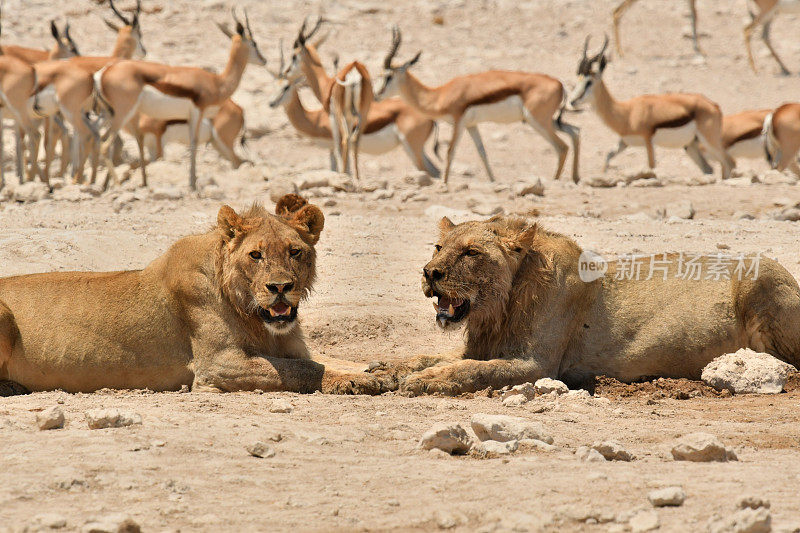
<point x="352" y="463"/>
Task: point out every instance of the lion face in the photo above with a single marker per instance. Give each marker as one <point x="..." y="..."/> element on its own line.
<point x="473" y="268"/>
<point x="268" y="262"/>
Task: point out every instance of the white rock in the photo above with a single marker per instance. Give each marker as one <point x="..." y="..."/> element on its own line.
<point x="122" y="201"/>
<point x="667" y="497"/>
<point x="281" y="405"/>
<point x="116" y="523"/>
<point x="50" y="418"/>
<point x="71" y="193"/>
<point x="493" y="447"/>
<point x="50" y="520"/>
<point x="752" y="502"/>
<point x="505" y="428"/>
<point x="683" y="210"/>
<point x="260" y="449"/>
<point x="644" y="521"/>
<point x="111" y="418"/>
<point x="547" y="385"/>
<point x="487" y="210"/>
<point x="515" y="400"/>
<point x="212" y="192"/>
<point x="747" y="371"/>
<point x="524" y="188"/>
<point x="382" y="194"/>
<point x="589" y="455"/>
<point x="526" y="389"/>
<point x="342" y="182"/>
<point x="538" y="445"/>
<point x="602" y="181"/>
<point x="315" y="178"/>
<point x="702" y="447"/>
<point x="330" y="202"/>
<point x="612" y="451"/>
<point x="374" y="185"/>
<point x="167" y="193"/>
<point x="280" y="188"/>
<point x="451" y="438"/>
<point x="32" y="191"/>
<point x="744" y="521"/>
<point x="420" y="178"/>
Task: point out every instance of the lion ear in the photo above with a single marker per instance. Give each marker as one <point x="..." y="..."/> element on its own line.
<point x="445" y="225"/>
<point x="228" y="221"/>
<point x="306" y="218"/>
<point x="526" y="238"/>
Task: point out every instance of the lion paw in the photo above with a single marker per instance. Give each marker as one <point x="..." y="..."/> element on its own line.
<point x="359" y="383"/>
<point x="428" y="382"/>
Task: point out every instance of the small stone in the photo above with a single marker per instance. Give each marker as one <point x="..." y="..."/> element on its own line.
<point x="310" y="180"/>
<point x="167" y="193"/>
<point x="488" y="209"/>
<point x="280" y="188"/>
<point x="702" y="447"/>
<point x="493" y="447"/>
<point x="723" y="246"/>
<point x="184" y="389"/>
<point x="537" y="445"/>
<point x="32" y="191"/>
<point x="667" y="497"/>
<point x="547" y="385"/>
<point x="526" y="389"/>
<point x="505" y="428"/>
<point x="524" y="188"/>
<point x="645" y="174"/>
<point x="281" y="405"/>
<point x="451" y="438"/>
<point x="612" y="451"/>
<point x="515" y="400"/>
<point x="122" y="201"/>
<point x="159" y="443"/>
<point x="212" y="192"/>
<point x="260" y="450"/>
<point x="744" y="521"/>
<point x="589" y="455"/>
<point x="50" y="418"/>
<point x="384" y="194"/>
<point x="50" y="520"/>
<point x="329" y="202"/>
<point x="420" y="178"/>
<point x="752" y="502"/>
<point x="742" y="215"/>
<point x="117" y="523"/>
<point x="644" y="521"/>
<point x="112" y="418"/>
<point x="437" y="212"/>
<point x="747" y="371"/>
<point x="683" y="210"/>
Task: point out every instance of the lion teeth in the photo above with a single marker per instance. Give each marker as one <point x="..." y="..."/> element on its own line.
<point x="451" y="311"/>
<point x="272" y="313"/>
<point x="435" y="307"/>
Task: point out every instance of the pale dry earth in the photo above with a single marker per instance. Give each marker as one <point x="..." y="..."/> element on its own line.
<point x="349" y="463"/>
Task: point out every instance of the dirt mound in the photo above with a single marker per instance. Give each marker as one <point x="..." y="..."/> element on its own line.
<point x="679" y="389"/>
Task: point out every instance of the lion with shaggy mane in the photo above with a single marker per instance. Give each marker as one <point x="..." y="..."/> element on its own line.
<point x="217" y="311"/>
<point x="528" y="314"/>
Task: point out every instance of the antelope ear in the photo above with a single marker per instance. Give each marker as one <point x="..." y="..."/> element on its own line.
<point x="111" y="25"/>
<point x="445" y="225"/>
<point x="414" y="59"/>
<point x="224" y="29"/>
<point x="603" y="63"/>
<point x="229" y="222"/>
<point x="54" y="30"/>
<point x="240" y="29"/>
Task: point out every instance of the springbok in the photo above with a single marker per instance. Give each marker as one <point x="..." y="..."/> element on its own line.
<point x="782" y="137"/>
<point x="742" y="134"/>
<point x="222" y="132"/>
<point x="346" y="97"/>
<point x="764" y="15"/>
<point x="389" y="124"/>
<point x="173" y="93"/>
<point x="674" y="120"/>
<point x="626" y="4"/>
<point x="63" y="48"/>
<point x="17" y="80"/>
<point x="493" y="96"/>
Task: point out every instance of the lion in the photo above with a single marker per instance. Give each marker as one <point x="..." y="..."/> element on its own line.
<point x="518" y="290"/>
<point x="217" y="312"/>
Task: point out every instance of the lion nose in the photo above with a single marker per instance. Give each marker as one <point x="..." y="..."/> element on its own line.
<point x="433" y="274"/>
<point x="277" y="288"/>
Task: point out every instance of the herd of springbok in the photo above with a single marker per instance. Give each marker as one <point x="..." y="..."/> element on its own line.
<point x="84" y="103"/>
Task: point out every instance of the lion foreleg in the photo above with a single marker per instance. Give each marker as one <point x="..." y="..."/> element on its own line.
<point x="238" y="372"/>
<point x="471" y="375"/>
<point x="403" y="368"/>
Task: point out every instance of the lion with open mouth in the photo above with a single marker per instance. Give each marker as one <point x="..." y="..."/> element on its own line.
<point x="216" y="312"/>
<point x="528" y="313"/>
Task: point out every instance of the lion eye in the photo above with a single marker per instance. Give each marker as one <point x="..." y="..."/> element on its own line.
<point x="472" y="252"/>
<point x="255" y="254"/>
<point x="294" y="252"/>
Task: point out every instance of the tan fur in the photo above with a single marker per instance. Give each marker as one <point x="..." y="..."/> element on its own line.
<point x="540" y="96"/>
<point x="740" y="125"/>
<point x="191" y="317"/>
<point x="122" y="84"/>
<point x="620" y="10"/>
<point x="783" y="138"/>
<point x="531" y="316"/>
<point x="415" y="127"/>
<point x="17" y="80"/>
<point x="764" y="16"/>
